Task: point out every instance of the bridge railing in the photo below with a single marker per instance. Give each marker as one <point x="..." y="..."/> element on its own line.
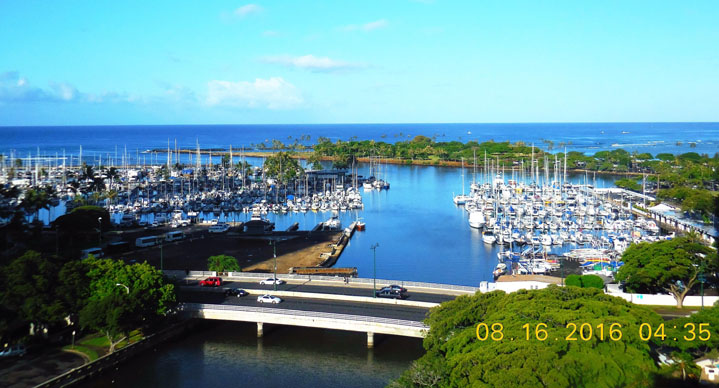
<point x="302" y="313"/>
<point x="367" y="281"/>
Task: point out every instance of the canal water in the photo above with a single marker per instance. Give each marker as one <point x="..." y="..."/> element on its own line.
<point x="229" y="354"/>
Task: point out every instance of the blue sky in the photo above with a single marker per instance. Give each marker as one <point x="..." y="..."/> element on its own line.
<point x="214" y="62"/>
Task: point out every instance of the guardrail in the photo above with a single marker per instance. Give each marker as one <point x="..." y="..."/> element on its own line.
<point x="302" y="313"/>
<point x="338" y="279"/>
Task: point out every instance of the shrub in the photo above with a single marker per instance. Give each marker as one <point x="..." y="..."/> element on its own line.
<point x="573" y="280"/>
<point x="592" y="281"/>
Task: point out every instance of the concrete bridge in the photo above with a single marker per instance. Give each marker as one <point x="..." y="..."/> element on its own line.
<point x="324" y="320"/>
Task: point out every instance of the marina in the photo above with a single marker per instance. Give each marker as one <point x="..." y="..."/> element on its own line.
<point x="513" y="220"/>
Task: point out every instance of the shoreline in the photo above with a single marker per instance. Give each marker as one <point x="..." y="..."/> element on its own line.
<point x="405" y="162"/>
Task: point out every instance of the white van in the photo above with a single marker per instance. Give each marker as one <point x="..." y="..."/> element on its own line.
<point x="174" y="236"/>
<point x="219" y="228"/>
<point x="97" y="252"/>
<point x="149" y="241"/>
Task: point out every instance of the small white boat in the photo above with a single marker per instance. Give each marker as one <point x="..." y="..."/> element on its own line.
<point x="476" y="219"/>
<point x="489" y="237"/>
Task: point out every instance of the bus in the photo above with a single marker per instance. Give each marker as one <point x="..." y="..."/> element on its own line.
<point x="174" y="236"/>
<point x="149" y="241"/>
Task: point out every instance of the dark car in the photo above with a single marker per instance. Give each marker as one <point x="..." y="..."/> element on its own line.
<point x="389" y="293"/>
<point x="396" y="288"/>
<point x="238" y="292"/>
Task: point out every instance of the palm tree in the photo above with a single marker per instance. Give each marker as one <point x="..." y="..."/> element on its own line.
<point x="34" y="200"/>
<point x="87" y="172"/>
<point x="111" y="195"/>
<point x="113" y="174"/>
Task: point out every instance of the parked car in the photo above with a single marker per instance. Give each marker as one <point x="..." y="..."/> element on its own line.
<point x="271" y="281"/>
<point x="212" y="281"/>
<point x="388" y="293"/>
<point x="395" y="287"/>
<point x="219" y="228"/>
<point x="11" y="351"/>
<point x="238" y="292"/>
<point x="269" y="299"/>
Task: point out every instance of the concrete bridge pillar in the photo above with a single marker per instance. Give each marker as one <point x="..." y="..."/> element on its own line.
<point x="370" y="340"/>
<point x="260" y="330"/>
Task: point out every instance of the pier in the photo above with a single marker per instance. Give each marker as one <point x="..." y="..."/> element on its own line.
<point x="665" y="221"/>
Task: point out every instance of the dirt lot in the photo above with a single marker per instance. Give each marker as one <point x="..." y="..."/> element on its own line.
<point x="296" y="249"/>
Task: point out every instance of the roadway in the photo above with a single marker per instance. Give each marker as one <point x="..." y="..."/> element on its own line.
<point x="324" y="289"/>
<point x="216" y="296"/>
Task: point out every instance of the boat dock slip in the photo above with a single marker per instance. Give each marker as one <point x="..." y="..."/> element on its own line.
<point x="330" y="258"/>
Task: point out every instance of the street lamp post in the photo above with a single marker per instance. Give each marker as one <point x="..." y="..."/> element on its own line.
<point x="99" y="230"/>
<point x="702" y="279"/>
<point x="274" y="255"/>
<point x="374" y="276"/>
<point x="161" y="257"/>
<point x="126" y="287"/>
<point x="73" y="339"/>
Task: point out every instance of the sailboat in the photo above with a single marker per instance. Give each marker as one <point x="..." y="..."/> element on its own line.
<point x="462" y="198"/>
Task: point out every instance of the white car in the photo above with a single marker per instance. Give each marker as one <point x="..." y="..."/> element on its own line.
<point x="17" y="350"/>
<point x="219" y="228"/>
<point x="271" y="281"/>
<point x="268" y="299"/>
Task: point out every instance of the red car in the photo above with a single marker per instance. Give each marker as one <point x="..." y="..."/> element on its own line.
<point x="212" y="281"/>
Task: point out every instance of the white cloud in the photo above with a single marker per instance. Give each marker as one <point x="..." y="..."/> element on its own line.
<point x="17" y="89"/>
<point x="272" y="93"/>
<point x="247" y="9"/>
<point x="377" y="24"/>
<point x="310" y="62"/>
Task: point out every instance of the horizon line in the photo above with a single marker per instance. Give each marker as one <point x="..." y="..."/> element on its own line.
<point x="377" y="123"/>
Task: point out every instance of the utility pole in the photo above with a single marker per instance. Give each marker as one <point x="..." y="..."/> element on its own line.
<point x="374" y="277"/>
<point x="702" y="278"/>
<point x="99" y="231"/>
<point x="274" y="254"/>
<point x="161" y="256"/>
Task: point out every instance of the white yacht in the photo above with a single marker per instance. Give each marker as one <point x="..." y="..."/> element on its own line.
<point x="476" y="219"/>
<point x="489" y="237"/>
<point x="461" y="199"/>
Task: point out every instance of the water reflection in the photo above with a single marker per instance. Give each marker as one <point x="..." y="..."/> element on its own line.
<point x="229" y="354"/>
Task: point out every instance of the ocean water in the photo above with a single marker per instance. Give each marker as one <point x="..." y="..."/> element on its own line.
<point x="589" y="138"/>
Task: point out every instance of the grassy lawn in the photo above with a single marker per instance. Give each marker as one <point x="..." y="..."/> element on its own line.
<point x="90" y="353"/>
<point x="672" y="310"/>
<point x="96" y="345"/>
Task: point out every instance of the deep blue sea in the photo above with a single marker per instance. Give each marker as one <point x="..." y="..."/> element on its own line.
<point x="584" y="137"/>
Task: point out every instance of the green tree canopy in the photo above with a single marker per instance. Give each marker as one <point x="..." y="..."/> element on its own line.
<point x="282" y="167"/>
<point x="457" y="358"/>
<point x="670" y="266"/>
<point x="29" y="288"/>
<point x="124" y="297"/>
<point x="84" y="218"/>
<point x="222" y="263"/>
<point x="709" y="319"/>
<point x="585" y="281"/>
<point x="315" y="161"/>
<point x="666" y="157"/>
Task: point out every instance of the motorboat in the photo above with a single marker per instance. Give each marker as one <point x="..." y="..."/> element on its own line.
<point x="489" y="237"/>
<point x="476" y="219"/>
